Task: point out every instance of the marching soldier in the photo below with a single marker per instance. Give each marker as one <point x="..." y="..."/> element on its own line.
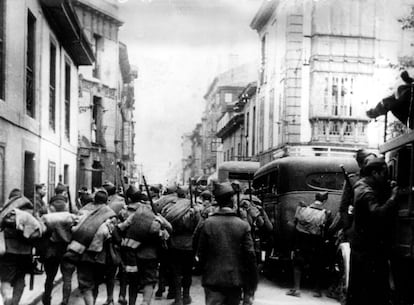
<point x="16" y="246"/>
<point x="90" y="244"/>
<point x="226" y="253"/>
<point x="184" y="219"/>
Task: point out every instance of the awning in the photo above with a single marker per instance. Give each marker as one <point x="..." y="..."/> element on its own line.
<point x="63" y="20"/>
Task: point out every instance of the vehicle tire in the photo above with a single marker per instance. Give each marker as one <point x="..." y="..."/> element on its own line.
<point x="342" y="269"/>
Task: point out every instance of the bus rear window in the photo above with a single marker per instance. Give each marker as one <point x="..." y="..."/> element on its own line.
<point x="329" y="181"/>
<point x="240" y="176"/>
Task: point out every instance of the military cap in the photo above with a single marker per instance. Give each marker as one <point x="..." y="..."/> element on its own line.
<point x="206" y="195"/>
<point x="58" y="202"/>
<point x="109" y="187"/>
<point x="374" y="163"/>
<point x="223" y="190"/>
<point x="101" y="196"/>
<point x="60" y="188"/>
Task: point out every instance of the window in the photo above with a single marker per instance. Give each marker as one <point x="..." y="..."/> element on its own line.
<point x="254" y="131"/>
<point x="97" y="44"/>
<point x="29" y="174"/>
<point x="66" y="174"/>
<point x="52" y="87"/>
<point x="261" y="125"/>
<point x="96" y="120"/>
<point x="228" y="97"/>
<point x="334" y="129"/>
<point x="2" y="59"/>
<point x="271" y="116"/>
<point x="67" y="100"/>
<point x="232" y="153"/>
<point x="30" y="65"/>
<point x="247" y="124"/>
<point x="348" y="130"/>
<point x="2" y="159"/>
<point x="239" y="151"/>
<point x="330" y="181"/>
<point x="263" y="60"/>
<point x="51" y="179"/>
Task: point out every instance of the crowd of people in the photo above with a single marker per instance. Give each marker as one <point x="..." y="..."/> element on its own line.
<point x="143" y="238"/>
<point x="366" y="217"/>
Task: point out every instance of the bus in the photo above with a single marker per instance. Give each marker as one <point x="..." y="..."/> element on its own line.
<point x="241" y="171"/>
<point x="285" y="183"/>
<point x="399" y="155"/>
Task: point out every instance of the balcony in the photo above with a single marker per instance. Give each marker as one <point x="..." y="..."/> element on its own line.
<point x="331" y="111"/>
<point x="228" y="124"/>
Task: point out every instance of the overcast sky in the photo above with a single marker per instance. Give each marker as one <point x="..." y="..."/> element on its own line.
<point x="178" y="47"/>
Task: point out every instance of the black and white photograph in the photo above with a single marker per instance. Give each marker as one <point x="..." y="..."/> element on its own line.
<point x="206" y="152"/>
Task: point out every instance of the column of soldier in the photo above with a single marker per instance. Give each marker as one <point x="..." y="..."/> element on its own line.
<point x="140" y="238"/>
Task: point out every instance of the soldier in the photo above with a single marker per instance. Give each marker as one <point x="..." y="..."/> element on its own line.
<point x="226" y="253"/>
<point x="375" y="206"/>
<point x="143" y="230"/>
<point x="184" y="219"/>
<point x="40" y="193"/>
<point x="346" y="205"/>
<point x="90" y="245"/>
<point x="59" y="226"/>
<point x="117" y="204"/>
<point x="261" y="228"/>
<point x="16" y="248"/>
<point x="311" y="223"/>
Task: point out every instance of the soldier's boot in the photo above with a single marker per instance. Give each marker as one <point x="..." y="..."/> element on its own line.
<point x="147" y="294"/>
<point x="186" y="296"/>
<point x="178" y="299"/>
<point x="132" y="294"/>
<point x="46" y="299"/>
<point x="18" y="289"/>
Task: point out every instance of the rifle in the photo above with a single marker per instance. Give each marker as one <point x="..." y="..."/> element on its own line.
<point x="121" y="178"/>
<point x="32" y="269"/>
<point x="346" y="175"/>
<point x="164" y="242"/>
<point x="250" y="194"/>
<point x="69" y="200"/>
<point x="149" y="195"/>
<point x="191" y="192"/>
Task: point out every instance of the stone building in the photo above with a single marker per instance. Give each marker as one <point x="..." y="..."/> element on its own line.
<point x="322" y="64"/>
<point x="191" y="151"/>
<point x="238" y="137"/>
<point x="100" y="96"/>
<point x="224" y="89"/>
<point x="42" y="46"/>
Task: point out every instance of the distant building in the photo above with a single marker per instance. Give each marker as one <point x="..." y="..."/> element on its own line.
<point x="102" y="95"/>
<point x="223" y="91"/>
<point x="322" y="64"/>
<point x="42" y="45"/>
<point x="237" y="135"/>
<point x="191" y="151"/>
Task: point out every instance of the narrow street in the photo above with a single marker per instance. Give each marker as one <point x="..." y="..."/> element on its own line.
<point x="267" y="293"/>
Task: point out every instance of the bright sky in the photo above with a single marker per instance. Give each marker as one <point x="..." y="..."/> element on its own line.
<point x="178" y="47"/>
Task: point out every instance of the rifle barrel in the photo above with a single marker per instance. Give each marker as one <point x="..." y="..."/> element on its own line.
<point x="149" y="195"/>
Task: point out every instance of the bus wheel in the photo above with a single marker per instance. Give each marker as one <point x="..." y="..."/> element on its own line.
<point x="342" y="272"/>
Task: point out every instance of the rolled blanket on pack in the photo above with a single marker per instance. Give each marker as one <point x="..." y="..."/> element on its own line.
<point x="142" y="226"/>
<point x="84" y="234"/>
<point x="28" y="224"/>
<point x="163" y="201"/>
<point x="60" y="223"/>
<point x="174" y="212"/>
<point x="14" y="203"/>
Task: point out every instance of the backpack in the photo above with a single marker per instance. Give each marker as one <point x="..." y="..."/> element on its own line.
<point x="310" y="220"/>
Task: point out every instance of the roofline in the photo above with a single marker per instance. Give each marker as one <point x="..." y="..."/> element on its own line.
<point x="263" y="15"/>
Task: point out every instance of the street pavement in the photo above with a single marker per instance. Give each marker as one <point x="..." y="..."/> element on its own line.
<point x="268" y="293"/>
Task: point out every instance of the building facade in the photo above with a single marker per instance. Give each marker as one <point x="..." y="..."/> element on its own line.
<point x="238" y="136"/>
<point x="39" y="93"/>
<point x="322" y="64"/>
<point x="222" y="93"/>
<point x="100" y="97"/>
